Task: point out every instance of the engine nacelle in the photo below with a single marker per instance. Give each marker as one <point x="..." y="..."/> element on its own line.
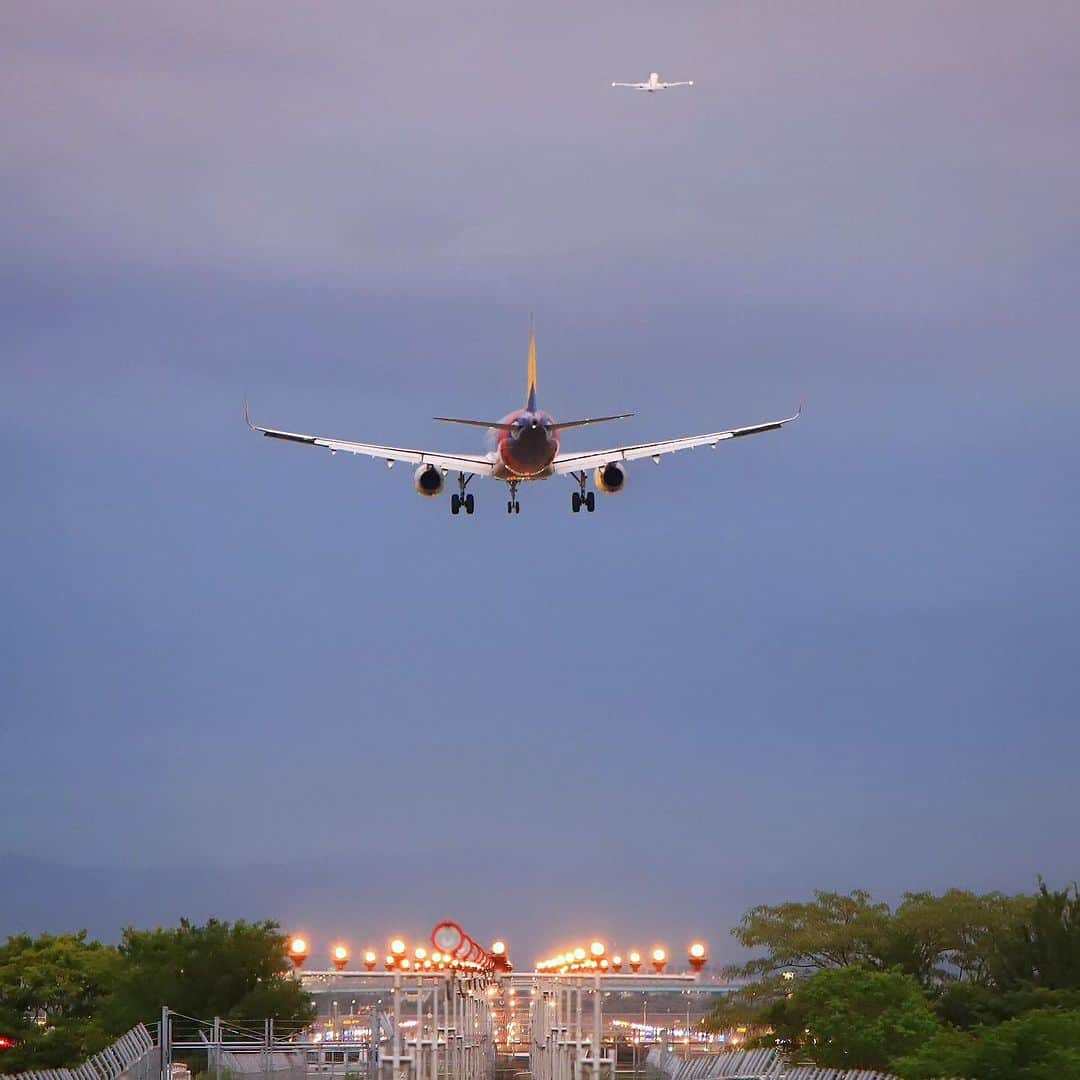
<point x="428" y="480"/>
<point x="611" y="478"/>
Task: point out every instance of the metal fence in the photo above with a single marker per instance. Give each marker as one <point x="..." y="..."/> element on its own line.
<point x="134" y="1056"/>
<point x="746" y="1065"/>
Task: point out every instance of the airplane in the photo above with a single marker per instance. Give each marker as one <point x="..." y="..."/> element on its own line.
<point x="654" y="83"/>
<point x="527" y="448"/>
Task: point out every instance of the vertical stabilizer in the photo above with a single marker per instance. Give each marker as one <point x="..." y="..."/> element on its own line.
<point x="530" y="400"/>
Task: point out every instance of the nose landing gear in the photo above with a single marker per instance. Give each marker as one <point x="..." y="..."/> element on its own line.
<point x="513" y="506"/>
<point x="581" y="497"/>
<point x="460" y="499"/>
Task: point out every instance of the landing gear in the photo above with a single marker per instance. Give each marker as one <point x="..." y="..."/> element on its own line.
<point x="460" y="499"/>
<point x="513" y="506"/>
<point x="581" y="497"/>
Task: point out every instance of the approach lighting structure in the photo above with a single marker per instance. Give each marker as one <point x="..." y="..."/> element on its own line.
<point x="298" y="951"/>
<point x="698" y="956"/>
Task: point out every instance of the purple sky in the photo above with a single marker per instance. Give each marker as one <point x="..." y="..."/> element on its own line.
<point x="246" y="679"/>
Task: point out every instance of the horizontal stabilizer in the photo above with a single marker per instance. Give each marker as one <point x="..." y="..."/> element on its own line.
<point x="474" y="423"/>
<point x="591" y="420"/>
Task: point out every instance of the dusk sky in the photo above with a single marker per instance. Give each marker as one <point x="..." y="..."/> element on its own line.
<point x="242" y="678"/>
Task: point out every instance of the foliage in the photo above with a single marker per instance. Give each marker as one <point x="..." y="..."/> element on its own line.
<point x="1043" y="950"/>
<point x="238" y="972"/>
<point x="64" y="998"/>
<point x="855" y="1017"/>
<point x="935" y="939"/>
<point x="1040" y="1045"/>
<point x="52" y="989"/>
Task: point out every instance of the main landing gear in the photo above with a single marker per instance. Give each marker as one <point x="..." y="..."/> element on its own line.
<point x="513" y="506"/>
<point x="459" y="498"/>
<point x="581" y="497"/>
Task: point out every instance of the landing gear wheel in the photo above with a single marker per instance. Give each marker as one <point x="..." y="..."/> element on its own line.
<point x="590" y="501"/>
<point x="517" y="508"/>
<point x="455" y="503"/>
<point x="575" y="503"/>
<point x="510" y="506"/>
<point x="469" y="503"/>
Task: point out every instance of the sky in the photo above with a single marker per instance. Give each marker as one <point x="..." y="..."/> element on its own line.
<point x="242" y="678"/>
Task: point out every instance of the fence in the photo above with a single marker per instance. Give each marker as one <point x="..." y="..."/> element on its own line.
<point x="746" y="1065"/>
<point x="134" y="1056"/>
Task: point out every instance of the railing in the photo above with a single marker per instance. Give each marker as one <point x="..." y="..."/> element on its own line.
<point x="746" y="1065"/>
<point x="134" y="1056"/>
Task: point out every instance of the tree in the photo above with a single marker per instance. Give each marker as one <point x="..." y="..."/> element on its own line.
<point x="52" y="990"/>
<point x="1040" y="1045"/>
<point x="856" y="1017"/>
<point x="1042" y="950"/>
<point x="831" y="931"/>
<point x="238" y="972"/>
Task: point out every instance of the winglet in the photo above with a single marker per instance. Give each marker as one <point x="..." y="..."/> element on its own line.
<point x="247" y="416"/>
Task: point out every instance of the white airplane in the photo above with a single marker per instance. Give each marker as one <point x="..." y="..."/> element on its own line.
<point x="654" y="83"/>
<point x="527" y="448"/>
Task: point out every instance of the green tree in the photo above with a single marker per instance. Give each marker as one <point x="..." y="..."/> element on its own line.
<point x="1042" y="950"/>
<point x="832" y="930"/>
<point x="1040" y="1045"/>
<point x="52" y="990"/>
<point x="855" y="1017"/>
<point x="237" y="971"/>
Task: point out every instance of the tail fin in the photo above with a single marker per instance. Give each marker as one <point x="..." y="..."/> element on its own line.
<point x="530" y="400"/>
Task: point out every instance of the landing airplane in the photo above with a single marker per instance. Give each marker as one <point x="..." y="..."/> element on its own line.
<point x="654" y="83"/>
<point x="527" y="448"/>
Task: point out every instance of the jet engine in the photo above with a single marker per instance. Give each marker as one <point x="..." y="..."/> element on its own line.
<point x="611" y="478"/>
<point x="428" y="480"/>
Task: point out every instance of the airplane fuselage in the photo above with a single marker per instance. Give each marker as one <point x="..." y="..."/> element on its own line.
<point x="527" y="449"/>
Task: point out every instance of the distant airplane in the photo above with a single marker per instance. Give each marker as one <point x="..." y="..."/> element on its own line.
<point x="654" y="83"/>
<point x="527" y="449"/>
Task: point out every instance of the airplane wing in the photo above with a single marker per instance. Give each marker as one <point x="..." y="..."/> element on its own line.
<point x="594" y="459"/>
<point x="632" y="85"/>
<point x="469" y="463"/>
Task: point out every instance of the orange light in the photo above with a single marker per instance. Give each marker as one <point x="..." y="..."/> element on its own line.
<point x="498" y="948"/>
<point x="298" y="951"/>
<point x="579" y="953"/>
<point x="616" y="962"/>
<point x="341" y="957"/>
<point x="699" y="955"/>
<point x="405" y="964"/>
<point x="397" y="947"/>
<point x="420" y="953"/>
<point x="635" y="961"/>
<point x="659" y="959"/>
<point x="597" y="949"/>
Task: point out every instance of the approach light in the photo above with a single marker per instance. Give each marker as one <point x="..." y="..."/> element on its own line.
<point x="341" y="957"/>
<point x="597" y="949"/>
<point x="389" y="963"/>
<point x="698" y="956"/>
<point x="420" y="953"/>
<point x="579" y="954"/>
<point x="397" y="947"/>
<point x="498" y="948"/>
<point x="298" y="951"/>
<point x="616" y="962"/>
<point x="635" y="961"/>
<point x="659" y="959"/>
